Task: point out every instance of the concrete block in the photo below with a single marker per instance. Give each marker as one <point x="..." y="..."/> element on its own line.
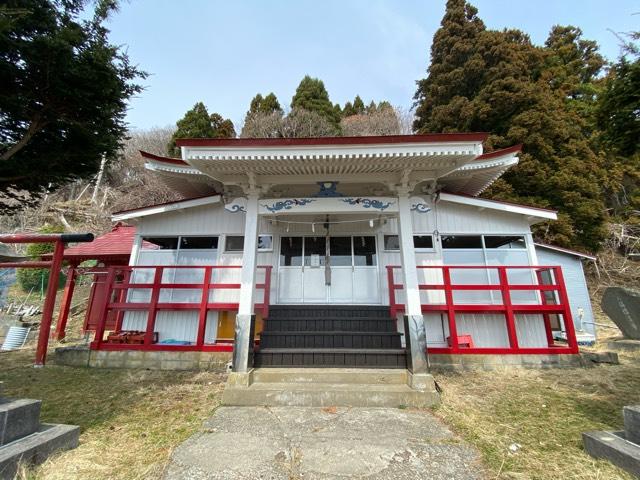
<point x="18" y="418"/>
<point x="242" y="379"/>
<point x="613" y="446"/>
<point x="35" y="448"/>
<point x="421" y="382"/>
<point x="600" y="357"/>
<point x="631" y="415"/>
<point x="624" y="345"/>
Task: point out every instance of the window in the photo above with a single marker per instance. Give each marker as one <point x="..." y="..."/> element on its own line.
<point x="364" y="251"/>
<point x="291" y="251"/>
<point x="504" y="241"/>
<point x="234" y="243"/>
<point x="265" y="243"/>
<point x="423" y="242"/>
<point x="159" y="243"/>
<point x="461" y="241"/>
<point x="198" y="243"/>
<point x="420" y="242"/>
<point x="391" y="242"/>
<point x="340" y="250"/>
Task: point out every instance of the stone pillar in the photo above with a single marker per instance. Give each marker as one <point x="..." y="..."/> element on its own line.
<point x="414" y="332"/>
<point x="245" y="320"/>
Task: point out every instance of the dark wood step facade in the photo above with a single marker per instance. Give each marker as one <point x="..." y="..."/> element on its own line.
<point x="330" y="336"/>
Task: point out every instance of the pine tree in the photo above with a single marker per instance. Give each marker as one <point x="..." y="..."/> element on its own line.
<point x="497" y="81"/>
<point x="197" y="123"/>
<point x="358" y="106"/>
<point x="265" y="105"/>
<point x="311" y="95"/>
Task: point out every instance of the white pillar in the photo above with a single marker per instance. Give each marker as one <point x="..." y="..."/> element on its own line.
<point x="245" y="320"/>
<point x="415" y="336"/>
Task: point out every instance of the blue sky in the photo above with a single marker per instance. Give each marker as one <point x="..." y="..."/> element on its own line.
<point x="224" y="52"/>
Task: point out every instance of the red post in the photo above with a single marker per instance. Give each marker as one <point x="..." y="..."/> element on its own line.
<point x="122" y="297"/>
<point x="65" y="303"/>
<point x="392" y="292"/>
<point x="202" y="318"/>
<point x="49" y="304"/>
<point x="568" y="318"/>
<point x="153" y="306"/>
<point x="451" y="311"/>
<point x="104" y="308"/>
<point x="506" y="301"/>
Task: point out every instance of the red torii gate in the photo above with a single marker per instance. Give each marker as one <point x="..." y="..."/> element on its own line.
<point x="54" y="265"/>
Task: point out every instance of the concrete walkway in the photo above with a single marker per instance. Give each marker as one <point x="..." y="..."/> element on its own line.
<point x="323" y="443"/>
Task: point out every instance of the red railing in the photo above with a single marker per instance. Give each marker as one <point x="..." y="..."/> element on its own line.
<point x="549" y="299"/>
<point x="127" y="286"/>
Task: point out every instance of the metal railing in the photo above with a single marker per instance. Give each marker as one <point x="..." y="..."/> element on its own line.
<point x="498" y="294"/>
<point x="143" y="288"/>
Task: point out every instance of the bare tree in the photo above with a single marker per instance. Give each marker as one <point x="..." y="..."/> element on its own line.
<point x="378" y="122"/>
<point x="262" y="125"/>
<point x="130" y="184"/>
<point x="297" y="123"/>
<point x="406" y="117"/>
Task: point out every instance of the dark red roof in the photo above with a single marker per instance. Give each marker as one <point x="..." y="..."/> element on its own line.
<point x="115" y="245"/>
<point x="292" y="142"/>
<point x="499" y="153"/>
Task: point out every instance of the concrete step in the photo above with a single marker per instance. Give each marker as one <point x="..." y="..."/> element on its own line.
<point x="330" y="339"/>
<point x="328" y="394"/>
<point x="613" y="446"/>
<point x="631" y="416"/>
<point x="330" y="324"/>
<point x="35" y="448"/>
<point x="380" y="376"/>
<point x="18" y="418"/>
<point x="331" y="357"/>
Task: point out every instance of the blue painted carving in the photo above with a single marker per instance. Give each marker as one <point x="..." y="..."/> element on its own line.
<point x="420" y="207"/>
<point x="288" y="204"/>
<point x="368" y="203"/>
<point x="235" y="208"/>
<point x="328" y="190"/>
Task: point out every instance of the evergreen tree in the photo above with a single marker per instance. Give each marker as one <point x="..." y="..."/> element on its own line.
<point x="358" y="106"/>
<point x="618" y="120"/>
<point x="264" y="105"/>
<point x="64" y="94"/>
<point x="497" y="81"/>
<point x="197" y="123"/>
<point x="311" y="95"/>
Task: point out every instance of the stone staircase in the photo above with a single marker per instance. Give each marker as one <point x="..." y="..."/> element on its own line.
<point x="620" y="448"/>
<point x="323" y="387"/>
<point x="23" y="439"/>
<point x="330" y="336"/>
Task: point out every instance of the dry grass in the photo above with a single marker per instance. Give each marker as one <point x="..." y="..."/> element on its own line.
<point x="130" y="419"/>
<point x="545" y="412"/>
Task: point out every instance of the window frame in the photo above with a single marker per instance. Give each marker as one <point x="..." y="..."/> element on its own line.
<point x="415" y="234"/>
<point x="226" y="237"/>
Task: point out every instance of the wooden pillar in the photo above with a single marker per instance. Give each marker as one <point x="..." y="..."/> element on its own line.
<point x="415" y="335"/>
<point x="245" y="320"/>
<point x="65" y="303"/>
<point x="49" y="304"/>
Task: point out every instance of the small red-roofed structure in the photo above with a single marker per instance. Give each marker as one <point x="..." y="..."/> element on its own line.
<point x="111" y="249"/>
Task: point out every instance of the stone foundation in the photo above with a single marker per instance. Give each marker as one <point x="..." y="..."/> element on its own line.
<point x="445" y="362"/>
<point x="84" y="357"/>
